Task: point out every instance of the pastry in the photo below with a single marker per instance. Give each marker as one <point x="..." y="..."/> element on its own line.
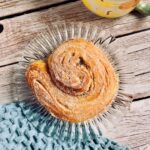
<point x="76" y="82"/>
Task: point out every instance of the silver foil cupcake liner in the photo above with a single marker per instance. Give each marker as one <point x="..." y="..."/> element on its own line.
<point x="43" y="45"/>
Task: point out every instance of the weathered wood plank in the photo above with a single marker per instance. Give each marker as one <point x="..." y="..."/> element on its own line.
<point x="20" y="30"/>
<point x="7" y="87"/>
<point x="134" y="129"/>
<point x="136" y="47"/>
<point x="10" y="7"/>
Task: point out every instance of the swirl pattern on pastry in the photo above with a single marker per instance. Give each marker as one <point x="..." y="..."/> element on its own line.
<point x="76" y="83"/>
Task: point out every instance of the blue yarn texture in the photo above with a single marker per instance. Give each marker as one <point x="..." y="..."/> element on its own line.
<point x="17" y="133"/>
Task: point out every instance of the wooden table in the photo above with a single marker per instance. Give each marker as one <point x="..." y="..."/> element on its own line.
<point x="21" y="20"/>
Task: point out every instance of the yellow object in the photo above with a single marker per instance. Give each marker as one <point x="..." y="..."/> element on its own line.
<point x="111" y="8"/>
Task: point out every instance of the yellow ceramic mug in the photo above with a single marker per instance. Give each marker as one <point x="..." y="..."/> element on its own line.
<point x="116" y="8"/>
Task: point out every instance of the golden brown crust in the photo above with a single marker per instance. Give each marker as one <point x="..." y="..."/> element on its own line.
<point x="76" y="83"/>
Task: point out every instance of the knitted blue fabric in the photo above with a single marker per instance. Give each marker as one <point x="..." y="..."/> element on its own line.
<point x="17" y="133"/>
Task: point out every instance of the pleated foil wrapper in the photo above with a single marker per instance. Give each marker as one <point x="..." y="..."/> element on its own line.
<point x="42" y="46"/>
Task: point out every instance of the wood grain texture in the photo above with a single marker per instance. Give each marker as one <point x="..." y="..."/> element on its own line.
<point x="135" y="48"/>
<point x="10" y="7"/>
<point x="7" y="86"/>
<point x="20" y="30"/>
<point x="134" y="128"/>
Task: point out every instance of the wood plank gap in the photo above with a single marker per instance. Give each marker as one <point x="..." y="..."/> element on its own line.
<point x="142" y="98"/>
<point x="8" y="64"/>
<point x="134" y="32"/>
<point x="37" y="9"/>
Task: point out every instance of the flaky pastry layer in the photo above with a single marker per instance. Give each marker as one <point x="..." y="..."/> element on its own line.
<point x="76" y="83"/>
